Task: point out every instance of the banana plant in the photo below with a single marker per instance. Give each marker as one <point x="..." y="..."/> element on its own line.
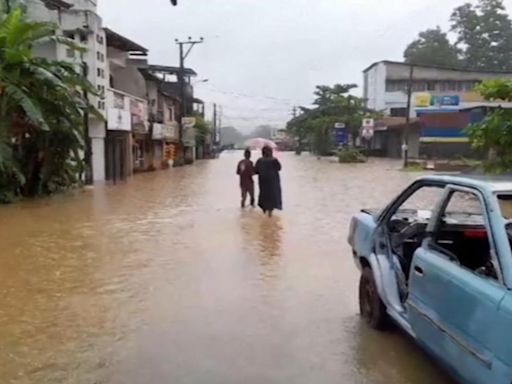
<point x="40" y="100"/>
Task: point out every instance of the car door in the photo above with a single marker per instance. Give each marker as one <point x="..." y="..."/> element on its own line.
<point x="419" y="200"/>
<point x="451" y="308"/>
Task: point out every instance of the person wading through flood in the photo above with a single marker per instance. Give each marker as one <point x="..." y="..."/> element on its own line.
<point x="245" y="170"/>
<point x="267" y="168"/>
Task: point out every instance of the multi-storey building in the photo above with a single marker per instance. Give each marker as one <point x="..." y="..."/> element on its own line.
<point x="79" y="21"/>
<point x="386" y="84"/>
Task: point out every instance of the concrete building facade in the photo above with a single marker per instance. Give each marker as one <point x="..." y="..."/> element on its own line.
<point x="79" y="21"/>
<point x="385" y="83"/>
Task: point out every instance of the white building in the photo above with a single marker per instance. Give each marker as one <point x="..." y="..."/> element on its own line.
<point x="78" y="20"/>
<point x="386" y="83"/>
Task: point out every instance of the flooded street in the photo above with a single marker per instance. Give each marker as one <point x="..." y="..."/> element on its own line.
<point x="165" y="280"/>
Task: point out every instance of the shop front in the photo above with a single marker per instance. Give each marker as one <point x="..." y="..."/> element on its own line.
<point x="141" y="148"/>
<point x="117" y="145"/>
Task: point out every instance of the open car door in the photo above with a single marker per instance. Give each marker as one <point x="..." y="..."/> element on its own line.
<point x="455" y="289"/>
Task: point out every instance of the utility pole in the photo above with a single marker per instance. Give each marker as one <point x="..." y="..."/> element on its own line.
<point x="220" y="119"/>
<point x="183" y="92"/>
<point x="408" y="116"/>
<point x="214" y="123"/>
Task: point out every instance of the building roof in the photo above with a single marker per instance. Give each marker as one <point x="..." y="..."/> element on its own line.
<point x="170" y="70"/>
<point x="124" y="44"/>
<point x="57" y="4"/>
<point x="458" y="69"/>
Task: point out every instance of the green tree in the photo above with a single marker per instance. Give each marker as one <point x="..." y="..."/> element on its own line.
<point x="484" y="33"/>
<point x="41" y="112"/>
<point x="494" y="133"/>
<point x="332" y="105"/>
<point x="432" y="47"/>
<point x="203" y="129"/>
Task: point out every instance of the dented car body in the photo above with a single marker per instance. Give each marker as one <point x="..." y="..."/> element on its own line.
<point x="437" y="261"/>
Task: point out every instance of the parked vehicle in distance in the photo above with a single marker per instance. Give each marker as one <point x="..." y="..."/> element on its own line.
<point x="437" y="261"/>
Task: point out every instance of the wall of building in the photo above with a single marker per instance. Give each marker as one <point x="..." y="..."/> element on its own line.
<point x="375" y="86"/>
<point x="126" y="77"/>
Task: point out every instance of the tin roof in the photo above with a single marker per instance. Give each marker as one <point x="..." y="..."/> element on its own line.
<point x="458" y="69"/>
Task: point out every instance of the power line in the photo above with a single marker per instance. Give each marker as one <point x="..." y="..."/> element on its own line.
<point x="247" y="96"/>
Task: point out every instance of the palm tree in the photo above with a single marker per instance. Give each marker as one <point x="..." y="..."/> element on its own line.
<point x="40" y="101"/>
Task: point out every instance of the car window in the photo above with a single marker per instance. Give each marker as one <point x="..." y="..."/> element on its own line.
<point x="464" y="207"/>
<point x="463" y="235"/>
<point x="505" y="203"/>
<point x="424" y="199"/>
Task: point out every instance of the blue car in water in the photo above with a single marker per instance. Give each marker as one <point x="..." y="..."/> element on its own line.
<point x="437" y="261"/>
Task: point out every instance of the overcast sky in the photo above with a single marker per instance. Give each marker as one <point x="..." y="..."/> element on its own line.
<point x="264" y="56"/>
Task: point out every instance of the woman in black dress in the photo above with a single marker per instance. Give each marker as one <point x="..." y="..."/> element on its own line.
<point x="267" y="168"/>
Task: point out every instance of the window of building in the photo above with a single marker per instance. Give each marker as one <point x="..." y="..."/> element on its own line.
<point x="98" y="56"/>
<point x="70" y="53"/>
<point x="396" y="86"/>
<point x="99" y="39"/>
<point x="98" y="72"/>
<point x="69" y="35"/>
<point x="431" y="85"/>
<point x="84" y="38"/>
<point x="419" y="86"/>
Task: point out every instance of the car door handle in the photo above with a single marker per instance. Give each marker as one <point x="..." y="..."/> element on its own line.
<point x="418" y="270"/>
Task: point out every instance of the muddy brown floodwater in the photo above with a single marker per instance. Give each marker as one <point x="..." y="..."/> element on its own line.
<point x="165" y="280"/>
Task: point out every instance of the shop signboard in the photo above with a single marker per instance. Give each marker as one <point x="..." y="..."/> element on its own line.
<point x="158" y="131"/>
<point x="446" y="101"/>
<point x="170" y="131"/>
<point x="118" y="100"/>
<point x="367" y="129"/>
<point x="137" y="113"/>
<point x="422" y="100"/>
<point x="119" y="120"/>
<point x="189" y="132"/>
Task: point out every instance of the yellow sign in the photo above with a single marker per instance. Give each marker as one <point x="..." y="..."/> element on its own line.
<point x="422" y="100"/>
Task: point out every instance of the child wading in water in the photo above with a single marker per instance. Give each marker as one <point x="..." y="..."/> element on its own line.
<point x="245" y="170"/>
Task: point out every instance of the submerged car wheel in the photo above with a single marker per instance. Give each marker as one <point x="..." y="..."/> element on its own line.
<point x="371" y="306"/>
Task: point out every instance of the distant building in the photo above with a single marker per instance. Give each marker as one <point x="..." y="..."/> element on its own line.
<point x="386" y="82"/>
<point x="127" y="136"/>
<point x="443" y="103"/>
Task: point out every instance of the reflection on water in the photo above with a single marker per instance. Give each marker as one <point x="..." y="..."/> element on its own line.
<point x="164" y="279"/>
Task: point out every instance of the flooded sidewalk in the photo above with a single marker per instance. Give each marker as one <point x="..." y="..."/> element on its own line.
<point x="166" y="280"/>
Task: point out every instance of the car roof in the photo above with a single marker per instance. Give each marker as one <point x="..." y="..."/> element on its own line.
<point x="490" y="183"/>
